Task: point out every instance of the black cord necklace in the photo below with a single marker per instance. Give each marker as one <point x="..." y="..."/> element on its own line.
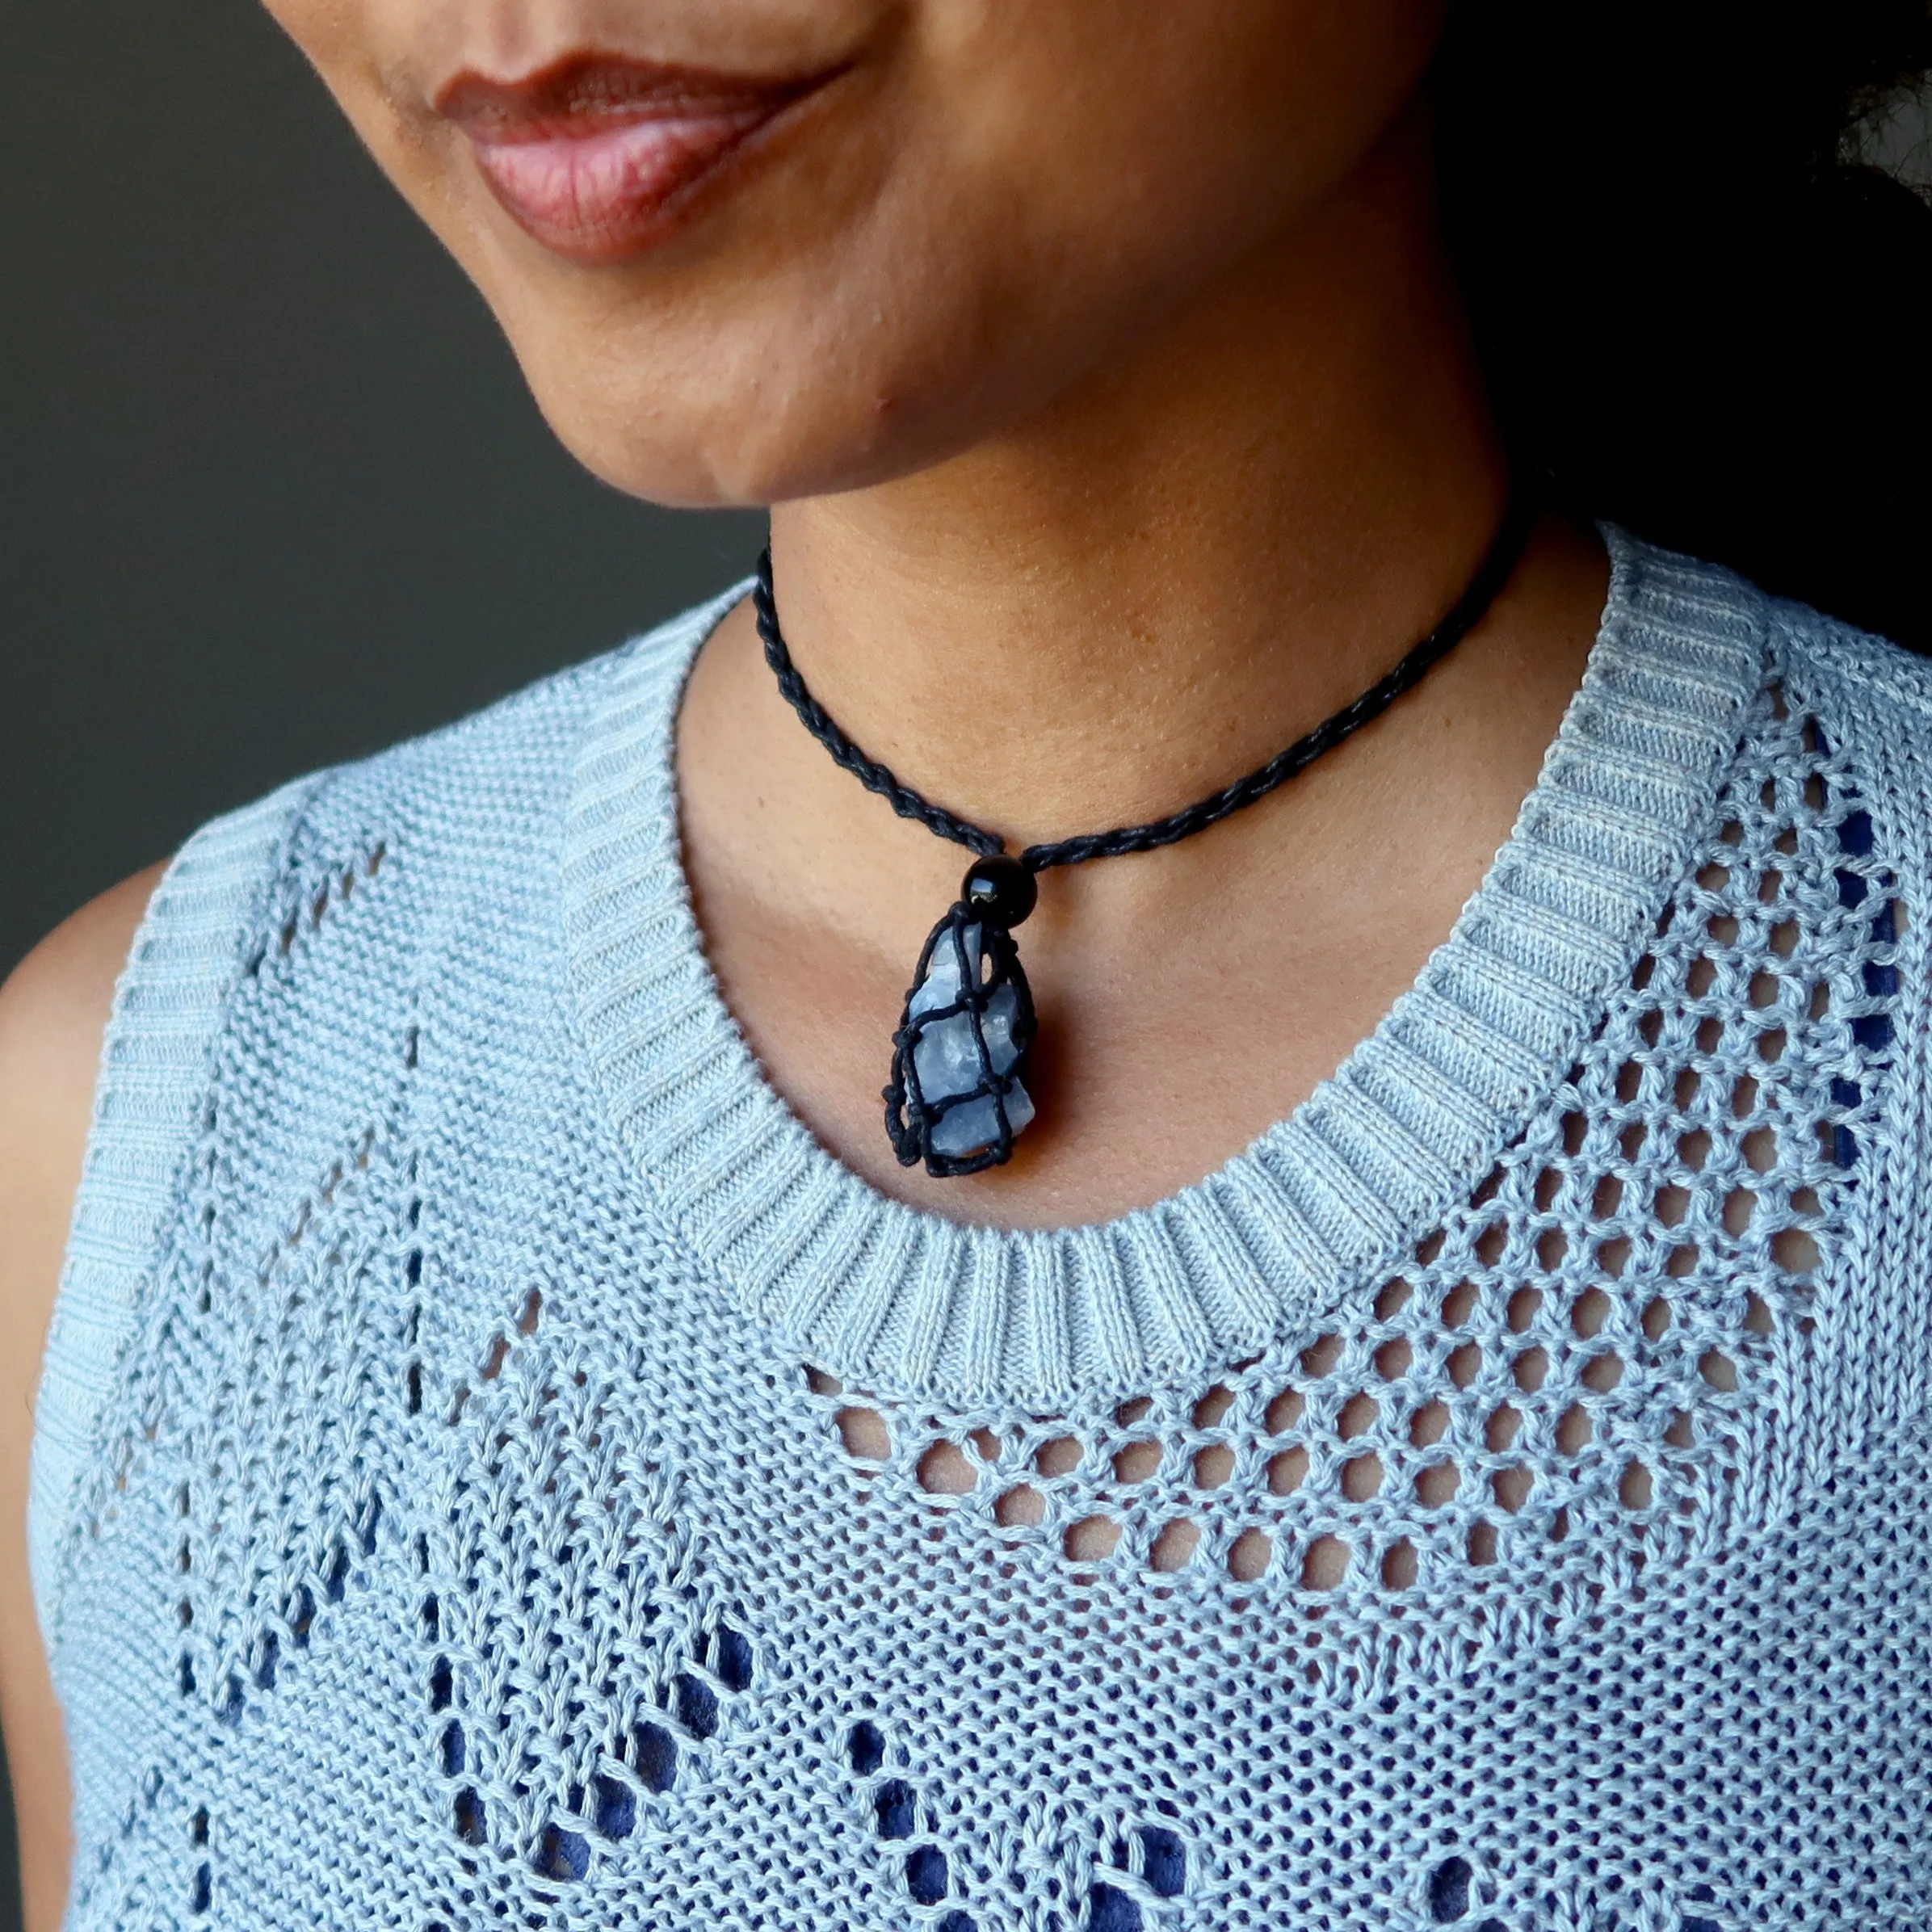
<point x="958" y="1097"/>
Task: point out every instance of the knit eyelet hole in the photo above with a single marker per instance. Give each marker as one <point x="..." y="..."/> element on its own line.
<point x="1093" y="1539"/>
<point x="654" y="1757"/>
<point x="944" y="1470"/>
<point x="1449" y="1891"/>
<point x="864" y="1434"/>
<point x="1249" y="1556"/>
<point x="1393" y="1359"/>
<point x="1173" y="1548"/>
<point x="895" y="1810"/>
<point x="471" y="1821"/>
<point x="1602" y="1373"/>
<point x="1287" y="1471"/>
<point x="732" y="1661"/>
<point x="614" y="1813"/>
<point x="865" y="1748"/>
<point x="1400" y="1566"/>
<point x="1021" y="1507"/>
<point x="1324" y="1566"/>
<point x="1285" y="1411"/>
<point x="1512" y="1486"/>
<point x="1213" y="1407"/>
<point x="561" y="1855"/>
<point x="1318" y="1359"/>
<point x="1361" y="1477"/>
<point x="1392" y="1298"/>
<point x="1589" y="1312"/>
<point x="926" y="1876"/>
<point x="1360" y="1415"/>
<point x="1795" y="1251"/>
<point x="1137" y="1462"/>
<point x="1059" y="1457"/>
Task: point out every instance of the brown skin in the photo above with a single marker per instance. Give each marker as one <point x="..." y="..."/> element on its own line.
<point x="52" y="1011"/>
<point x="1118" y="407"/>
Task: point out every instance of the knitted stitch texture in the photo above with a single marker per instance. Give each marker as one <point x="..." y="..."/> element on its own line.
<point x="495" y="1470"/>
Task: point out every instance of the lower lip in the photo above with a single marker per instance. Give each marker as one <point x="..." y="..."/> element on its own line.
<point x="617" y="190"/>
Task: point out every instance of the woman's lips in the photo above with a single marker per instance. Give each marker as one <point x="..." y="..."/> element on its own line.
<point x="593" y="156"/>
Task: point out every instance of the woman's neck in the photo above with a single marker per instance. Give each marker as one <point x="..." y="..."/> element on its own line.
<point x="1236" y="522"/>
<point x="1147" y="588"/>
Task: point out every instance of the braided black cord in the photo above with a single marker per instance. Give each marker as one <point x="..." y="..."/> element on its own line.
<point x="1491" y="574"/>
<point x="869" y="772"/>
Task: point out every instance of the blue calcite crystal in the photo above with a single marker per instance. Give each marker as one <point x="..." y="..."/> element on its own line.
<point x="959" y="1097"/>
<point x="947" y="1055"/>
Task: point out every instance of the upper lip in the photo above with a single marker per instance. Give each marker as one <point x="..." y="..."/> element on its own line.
<point x="585" y="93"/>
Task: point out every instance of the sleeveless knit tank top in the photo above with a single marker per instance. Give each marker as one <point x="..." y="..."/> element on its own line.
<point x="495" y="1470"/>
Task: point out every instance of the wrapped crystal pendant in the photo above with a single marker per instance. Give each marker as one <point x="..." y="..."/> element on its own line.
<point x="958" y="1096"/>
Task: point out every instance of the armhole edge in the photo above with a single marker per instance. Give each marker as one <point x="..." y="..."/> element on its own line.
<point x="169" y="1004"/>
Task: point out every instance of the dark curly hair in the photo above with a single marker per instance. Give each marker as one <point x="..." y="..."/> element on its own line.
<point x="1700" y="311"/>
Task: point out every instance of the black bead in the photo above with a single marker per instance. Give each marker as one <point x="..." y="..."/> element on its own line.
<point x="1001" y="888"/>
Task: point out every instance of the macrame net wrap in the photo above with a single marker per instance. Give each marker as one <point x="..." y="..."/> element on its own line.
<point x="957" y="1095"/>
<point x="461" y="1553"/>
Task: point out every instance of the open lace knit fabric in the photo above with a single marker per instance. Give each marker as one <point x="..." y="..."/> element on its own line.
<point x="496" y="1471"/>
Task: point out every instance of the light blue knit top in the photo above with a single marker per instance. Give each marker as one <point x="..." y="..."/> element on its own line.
<point x="1501" y="1498"/>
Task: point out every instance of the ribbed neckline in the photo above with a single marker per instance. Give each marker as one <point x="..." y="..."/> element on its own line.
<point x="905" y="1303"/>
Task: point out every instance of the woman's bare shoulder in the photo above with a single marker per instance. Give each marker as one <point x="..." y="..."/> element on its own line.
<point x="53" y="1013"/>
